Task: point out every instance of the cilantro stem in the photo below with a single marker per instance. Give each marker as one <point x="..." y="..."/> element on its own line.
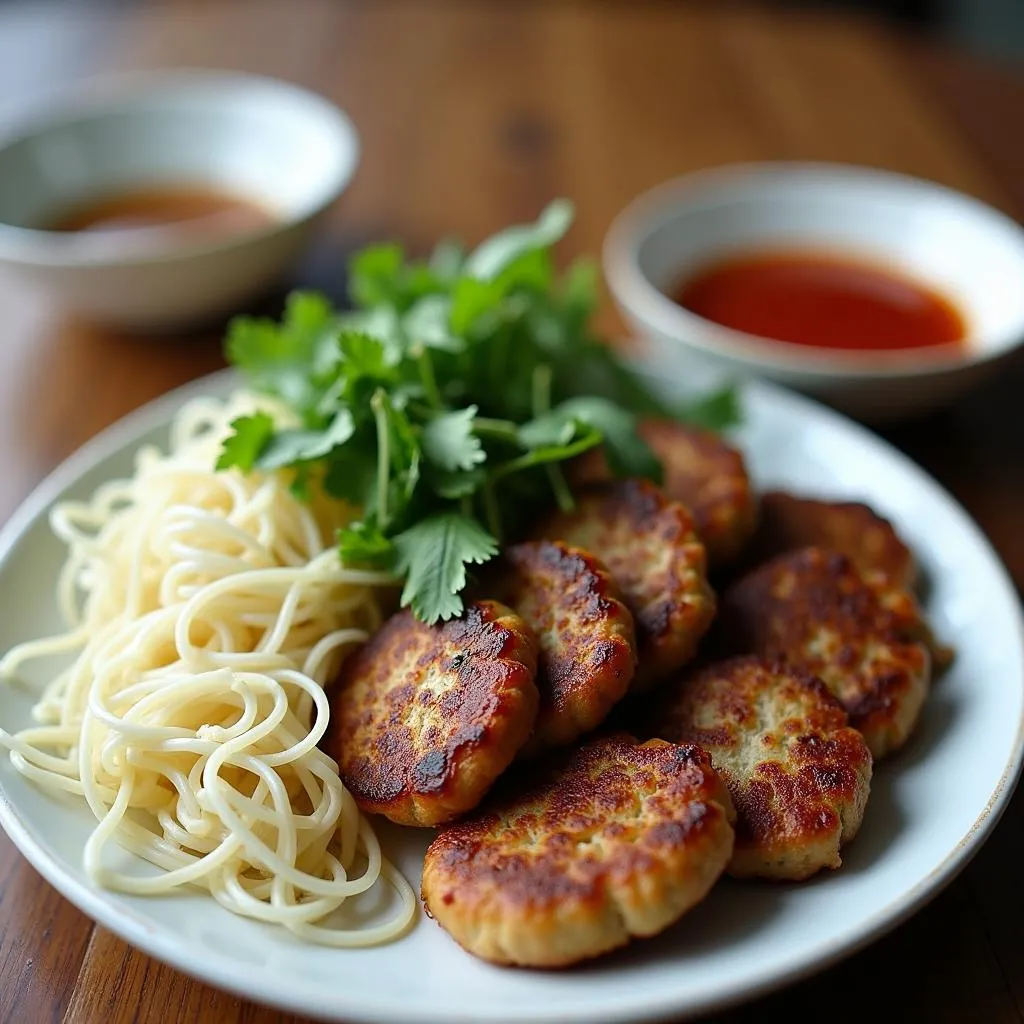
<point x="491" y="510"/>
<point x="379" y="406"/>
<point x="500" y="430"/>
<point x="542" y="375"/>
<point x="537" y="457"/>
<point x="427" y="375"/>
<point x="560" y="487"/>
<point x="499" y="357"/>
<point x="541" y="406"/>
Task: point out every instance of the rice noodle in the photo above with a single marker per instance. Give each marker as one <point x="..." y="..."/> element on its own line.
<point x="208" y="610"/>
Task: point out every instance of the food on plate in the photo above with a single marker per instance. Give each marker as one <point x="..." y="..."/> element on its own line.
<point x="425" y="718"/>
<point x="654" y="555"/>
<point x="445" y="406"/>
<point x="703" y="471"/>
<point x="709" y="476"/>
<point x="373" y="458"/>
<point x="585" y="638"/>
<point x="373" y="582"/>
<point x="858" y="632"/>
<point x="206" y="612"/>
<point x="870" y="541"/>
<point x="593" y="847"/>
<point x="798" y="775"/>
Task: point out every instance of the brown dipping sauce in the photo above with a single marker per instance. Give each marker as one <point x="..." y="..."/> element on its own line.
<point x="192" y="208"/>
<point x="822" y="300"/>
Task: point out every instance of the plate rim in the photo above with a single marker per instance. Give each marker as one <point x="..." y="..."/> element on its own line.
<point x="163" y="946"/>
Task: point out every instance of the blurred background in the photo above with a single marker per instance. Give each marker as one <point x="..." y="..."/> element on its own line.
<point x="994" y="27"/>
<point x="991" y="27"/>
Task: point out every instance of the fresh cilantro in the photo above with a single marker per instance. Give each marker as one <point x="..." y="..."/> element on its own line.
<point x="443" y="405"/>
<point x="433" y="555"/>
<point x="628" y="454"/>
<point x="429" y="323"/>
<point x="291" y="358"/>
<point x="460" y="484"/>
<point x="447" y="260"/>
<point x="715" y="411"/>
<point x="364" y="365"/>
<point x="544" y="454"/>
<point x="363" y="544"/>
<point x="291" y="446"/>
<point x="548" y="431"/>
<point x="513" y="244"/>
<point x="380" y="276"/>
<point x="351" y="475"/>
<point x="449" y="441"/>
<point x="249" y="436"/>
<point x="374" y="275"/>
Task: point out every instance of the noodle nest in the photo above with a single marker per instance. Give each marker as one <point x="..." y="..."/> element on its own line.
<point x="206" y="612"/>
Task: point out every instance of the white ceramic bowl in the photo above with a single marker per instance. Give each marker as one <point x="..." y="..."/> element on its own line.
<point x="969" y="251"/>
<point x="281" y="146"/>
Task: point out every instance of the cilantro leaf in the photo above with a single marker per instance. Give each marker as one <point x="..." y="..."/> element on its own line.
<point x="548" y="431"/>
<point x="459" y="484"/>
<point x="449" y="441"/>
<point x="363" y="544"/>
<point x="379" y="276"/>
<point x="715" y="411"/>
<point x="382" y="323"/>
<point x="364" y="365"/>
<point x="249" y="436"/>
<point x="351" y="476"/>
<point x="286" y="358"/>
<point x="628" y="454"/>
<point x="365" y="356"/>
<point x="433" y="556"/>
<point x="580" y="286"/>
<point x="290" y="446"/>
<point x="471" y="299"/>
<point x="428" y="323"/>
<point x="447" y="259"/>
<point x="500" y="251"/>
<point x="374" y="275"/>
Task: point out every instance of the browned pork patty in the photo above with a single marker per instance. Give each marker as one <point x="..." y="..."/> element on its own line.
<point x="703" y="471"/>
<point x="425" y="718"/>
<point x="586" y="642"/>
<point x="652" y="550"/>
<point x="798" y="775"/>
<point x="613" y="840"/>
<point x="860" y="634"/>
<point x="788" y="522"/>
<point x="709" y="476"/>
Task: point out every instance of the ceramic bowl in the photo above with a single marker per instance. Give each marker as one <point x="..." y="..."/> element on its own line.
<point x="968" y="251"/>
<point x="280" y="146"/>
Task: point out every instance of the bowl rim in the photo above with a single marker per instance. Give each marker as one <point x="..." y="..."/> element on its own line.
<point x="95" y="95"/>
<point x="640" y="299"/>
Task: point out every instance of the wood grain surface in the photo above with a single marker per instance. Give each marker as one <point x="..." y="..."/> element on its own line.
<point x="473" y="114"/>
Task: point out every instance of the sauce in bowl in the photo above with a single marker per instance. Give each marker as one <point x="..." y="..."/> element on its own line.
<point x="822" y="300"/>
<point x="184" y="208"/>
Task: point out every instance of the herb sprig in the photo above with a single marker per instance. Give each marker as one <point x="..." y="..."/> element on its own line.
<point x="445" y="404"/>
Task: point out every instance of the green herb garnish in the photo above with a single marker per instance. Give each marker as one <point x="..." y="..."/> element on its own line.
<point x="445" y="403"/>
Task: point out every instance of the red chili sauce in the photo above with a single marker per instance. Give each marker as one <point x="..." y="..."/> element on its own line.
<point x="822" y="300"/>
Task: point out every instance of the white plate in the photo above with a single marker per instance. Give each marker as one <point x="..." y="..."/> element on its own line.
<point x="925" y="819"/>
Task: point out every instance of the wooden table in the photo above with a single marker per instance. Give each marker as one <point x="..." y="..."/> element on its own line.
<point x="472" y="115"/>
